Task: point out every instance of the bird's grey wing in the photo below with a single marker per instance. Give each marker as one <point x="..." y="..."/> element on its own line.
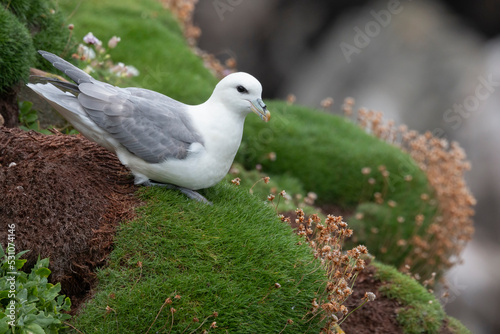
<point x="152" y="126"/>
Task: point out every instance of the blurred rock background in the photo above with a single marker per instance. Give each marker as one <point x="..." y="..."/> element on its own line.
<point x="432" y="65"/>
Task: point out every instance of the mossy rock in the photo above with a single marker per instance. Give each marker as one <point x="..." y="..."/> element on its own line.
<point x="46" y="26"/>
<point x="327" y="154"/>
<point x="420" y="311"/>
<point x="225" y="258"/>
<point x="16" y="50"/>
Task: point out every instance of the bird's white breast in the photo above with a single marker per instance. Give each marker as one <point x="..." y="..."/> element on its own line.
<point x="207" y="163"/>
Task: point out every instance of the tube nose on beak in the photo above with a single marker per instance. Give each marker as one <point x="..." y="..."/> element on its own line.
<point x="259" y="107"/>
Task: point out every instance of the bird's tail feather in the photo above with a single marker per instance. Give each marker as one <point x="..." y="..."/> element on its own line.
<point x="64" y="102"/>
<point x="62" y="85"/>
<point x="76" y="74"/>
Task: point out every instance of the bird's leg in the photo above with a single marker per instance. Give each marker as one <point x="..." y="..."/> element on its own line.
<point x="194" y="195"/>
<point x="188" y="192"/>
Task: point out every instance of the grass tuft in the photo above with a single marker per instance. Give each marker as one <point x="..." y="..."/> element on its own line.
<point x="421" y="312"/>
<point x="224" y="258"/>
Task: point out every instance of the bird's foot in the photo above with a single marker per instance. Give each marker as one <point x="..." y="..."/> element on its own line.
<point x="188" y="192"/>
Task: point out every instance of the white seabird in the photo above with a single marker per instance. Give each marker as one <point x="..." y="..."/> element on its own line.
<point x="161" y="140"/>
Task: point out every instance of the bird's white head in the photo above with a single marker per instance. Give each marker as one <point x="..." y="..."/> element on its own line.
<point x="242" y="93"/>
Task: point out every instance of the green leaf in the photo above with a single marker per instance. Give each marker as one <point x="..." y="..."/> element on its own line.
<point x="30" y="118"/>
<point x="52" y="292"/>
<point x="34" y="329"/>
<point x="20" y="263"/>
<point x="22" y="253"/>
<point x="45" y="321"/>
<point x="4" y="326"/>
<point x="67" y="304"/>
<point x="22" y="295"/>
<point x="25" y="106"/>
<point x="28" y="308"/>
<point x="44" y="272"/>
<point x="4" y="294"/>
<point x="42" y="263"/>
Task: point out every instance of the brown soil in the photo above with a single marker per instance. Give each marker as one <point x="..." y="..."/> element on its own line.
<point x="65" y="196"/>
<point x="374" y="317"/>
<point x="9" y="109"/>
<point x="379" y="316"/>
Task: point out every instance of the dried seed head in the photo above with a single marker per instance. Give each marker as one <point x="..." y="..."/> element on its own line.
<point x="315" y="304"/>
<point x="327" y="103"/>
<point x="349" y="101"/>
<point x="236" y="181"/>
<point x="362" y="249"/>
<point x="370" y="296"/>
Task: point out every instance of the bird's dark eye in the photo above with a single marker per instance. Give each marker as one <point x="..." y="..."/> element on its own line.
<point x="241" y="89"/>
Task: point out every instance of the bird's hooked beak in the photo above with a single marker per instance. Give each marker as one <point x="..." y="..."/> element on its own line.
<point x="259" y="107"/>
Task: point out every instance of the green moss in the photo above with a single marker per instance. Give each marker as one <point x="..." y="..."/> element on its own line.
<point x="252" y="181"/>
<point x="46" y="26"/>
<point x="457" y="327"/>
<point x="326" y="153"/>
<point x="225" y="258"/>
<point x="421" y="312"/>
<point x="16" y="50"/>
<point x="151" y="40"/>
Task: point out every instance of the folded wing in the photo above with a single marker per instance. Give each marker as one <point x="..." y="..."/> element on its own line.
<point x="152" y="126"/>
